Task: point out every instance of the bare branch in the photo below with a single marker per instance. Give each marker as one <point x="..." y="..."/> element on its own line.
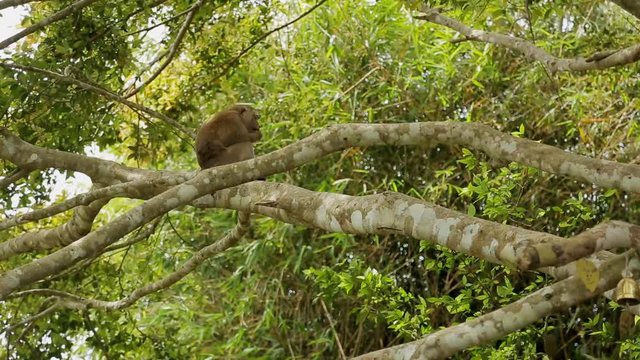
<point x="343" y="356"/>
<point x="13" y="177"/>
<point x="173" y="49"/>
<point x="617" y="58"/>
<point x="126" y="18"/>
<point x="42" y="24"/>
<point x="231" y="62"/>
<point x="143" y="234"/>
<point x="20" y="152"/>
<point x="174" y="17"/>
<point x="103" y="92"/>
<point x="363" y="78"/>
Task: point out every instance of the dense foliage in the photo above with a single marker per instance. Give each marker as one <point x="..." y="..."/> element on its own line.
<point x="292" y="292"/>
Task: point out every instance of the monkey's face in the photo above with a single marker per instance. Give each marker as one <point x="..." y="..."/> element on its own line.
<point x="250" y="120"/>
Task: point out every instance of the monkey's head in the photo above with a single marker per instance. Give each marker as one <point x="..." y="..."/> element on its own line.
<point x="249" y="118"/>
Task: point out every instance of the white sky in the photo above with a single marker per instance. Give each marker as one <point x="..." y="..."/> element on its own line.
<point x="10" y="20"/>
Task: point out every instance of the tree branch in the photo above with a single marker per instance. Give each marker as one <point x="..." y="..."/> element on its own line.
<point x="173" y="49"/>
<point x="20" y="152"/>
<point x="493" y="326"/>
<point x="196" y="260"/>
<point x="49" y="310"/>
<point x="338" y="137"/>
<point x="164" y="22"/>
<point x="614" y="58"/>
<point x="42" y="24"/>
<point x="105" y="193"/>
<point x="630" y="6"/>
<point x="387" y="213"/>
<point x="79" y="226"/>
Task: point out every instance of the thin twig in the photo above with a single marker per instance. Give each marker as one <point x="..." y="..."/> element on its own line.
<point x="363" y="78"/>
<point x="41" y="24"/>
<point x="110" y="26"/>
<point x="173" y="49"/>
<point x="33" y="318"/>
<point x="164" y="22"/>
<point x="231" y="62"/>
<point x="333" y="330"/>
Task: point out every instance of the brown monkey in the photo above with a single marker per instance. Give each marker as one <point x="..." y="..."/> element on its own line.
<point x="228" y="136"/>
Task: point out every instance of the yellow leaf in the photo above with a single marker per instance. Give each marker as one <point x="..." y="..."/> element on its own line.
<point x="588" y="273"/>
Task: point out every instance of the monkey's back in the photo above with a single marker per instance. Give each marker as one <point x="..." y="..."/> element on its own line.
<point x="223" y="130"/>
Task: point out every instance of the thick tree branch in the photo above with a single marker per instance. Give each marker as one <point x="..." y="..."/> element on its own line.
<point x="29" y="156"/>
<point x="103" y="92"/>
<point x="490" y="327"/>
<point x="614" y="58"/>
<point x="495" y="144"/>
<point x="389" y="213"/>
<point x="173" y="49"/>
<point x="42" y="24"/>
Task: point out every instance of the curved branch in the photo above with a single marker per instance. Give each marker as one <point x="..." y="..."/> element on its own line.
<point x="79" y="226"/>
<point x="29" y="156"/>
<point x="49" y="310"/>
<point x="620" y="57"/>
<point x="337" y="137"/>
<point x="103" y="92"/>
<point x="42" y="24"/>
<point x="173" y="49"/>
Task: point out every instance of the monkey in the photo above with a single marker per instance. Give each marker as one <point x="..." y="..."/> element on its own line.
<point x="228" y="137"/>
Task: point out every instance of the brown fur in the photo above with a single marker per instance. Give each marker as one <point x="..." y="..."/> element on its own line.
<point x="228" y="136"/>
